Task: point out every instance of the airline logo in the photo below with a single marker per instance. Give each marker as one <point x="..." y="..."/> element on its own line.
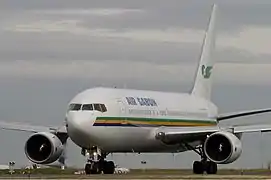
<point x="206" y="71"/>
<point x="141" y="101"/>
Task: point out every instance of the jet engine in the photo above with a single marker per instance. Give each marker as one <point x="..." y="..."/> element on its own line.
<point x="43" y="148"/>
<point x="222" y="147"/>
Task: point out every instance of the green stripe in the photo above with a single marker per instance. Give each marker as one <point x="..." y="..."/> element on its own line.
<point x="156" y="119"/>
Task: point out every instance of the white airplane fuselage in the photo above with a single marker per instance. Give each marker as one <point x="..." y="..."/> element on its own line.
<point x="133" y="118"/>
<point x="110" y="120"/>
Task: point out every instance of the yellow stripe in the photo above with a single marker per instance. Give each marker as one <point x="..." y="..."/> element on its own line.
<point x="154" y="123"/>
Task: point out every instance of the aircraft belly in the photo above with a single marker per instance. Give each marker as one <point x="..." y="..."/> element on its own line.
<point x="128" y="139"/>
<point x="120" y="139"/>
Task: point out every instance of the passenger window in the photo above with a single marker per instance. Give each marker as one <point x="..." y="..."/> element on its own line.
<point x="75" y="107"/>
<point x="87" y="107"/>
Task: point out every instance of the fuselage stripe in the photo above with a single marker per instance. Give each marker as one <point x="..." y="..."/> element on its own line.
<point x="135" y="122"/>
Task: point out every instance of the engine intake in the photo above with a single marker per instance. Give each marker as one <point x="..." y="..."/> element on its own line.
<point x="43" y="148"/>
<point x="222" y="147"/>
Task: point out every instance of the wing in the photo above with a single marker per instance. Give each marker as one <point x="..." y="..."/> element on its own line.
<point x="177" y="134"/>
<point x="30" y="128"/>
<point x="252" y="128"/>
<point x="243" y="113"/>
<point x="60" y="132"/>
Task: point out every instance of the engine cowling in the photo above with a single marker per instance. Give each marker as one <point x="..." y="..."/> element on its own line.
<point x="43" y="148"/>
<point x="222" y="147"/>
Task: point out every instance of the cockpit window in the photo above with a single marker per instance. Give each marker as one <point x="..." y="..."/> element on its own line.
<point x="103" y="108"/>
<point x="100" y="107"/>
<point x="97" y="107"/>
<point x="75" y="107"/>
<point x="87" y="107"/>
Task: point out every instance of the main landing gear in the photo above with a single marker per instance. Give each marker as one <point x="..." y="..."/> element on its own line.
<point x="208" y="166"/>
<point x="199" y="167"/>
<point x="96" y="163"/>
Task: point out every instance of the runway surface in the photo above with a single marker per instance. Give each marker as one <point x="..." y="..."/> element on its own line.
<point x="171" y="174"/>
<point x="138" y="177"/>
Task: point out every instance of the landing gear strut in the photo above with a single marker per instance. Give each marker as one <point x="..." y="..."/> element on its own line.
<point x="96" y="163"/>
<point x="199" y="167"/>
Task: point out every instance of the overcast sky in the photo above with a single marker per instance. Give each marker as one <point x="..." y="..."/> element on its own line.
<point x="51" y="50"/>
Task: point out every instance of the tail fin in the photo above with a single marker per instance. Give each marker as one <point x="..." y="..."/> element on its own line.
<point x="203" y="78"/>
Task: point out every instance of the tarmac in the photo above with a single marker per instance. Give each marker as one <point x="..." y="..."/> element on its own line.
<point x="138" y="177"/>
<point x="146" y="175"/>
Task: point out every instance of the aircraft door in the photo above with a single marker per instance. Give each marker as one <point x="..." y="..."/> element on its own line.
<point x="122" y="109"/>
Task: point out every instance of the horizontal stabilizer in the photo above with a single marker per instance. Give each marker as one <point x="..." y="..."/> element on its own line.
<point x="241" y="114"/>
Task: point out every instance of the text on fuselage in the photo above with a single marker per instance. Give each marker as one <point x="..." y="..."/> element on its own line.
<point x="141" y="101"/>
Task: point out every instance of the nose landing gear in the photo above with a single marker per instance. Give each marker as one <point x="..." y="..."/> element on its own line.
<point x="96" y="163"/>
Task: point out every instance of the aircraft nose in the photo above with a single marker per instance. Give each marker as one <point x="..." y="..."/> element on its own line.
<point x="77" y="121"/>
<point x="79" y="126"/>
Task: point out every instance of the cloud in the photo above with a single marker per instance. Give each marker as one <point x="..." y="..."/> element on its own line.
<point x="88" y="69"/>
<point x="239" y="73"/>
<point x="252" y="38"/>
<point x="75" y="27"/>
<point x="134" y="71"/>
<point x="86" y="12"/>
<point x="162" y="14"/>
<point x="50" y="36"/>
<point x="46" y="26"/>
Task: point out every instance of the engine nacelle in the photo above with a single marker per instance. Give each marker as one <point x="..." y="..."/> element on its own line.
<point x="222" y="147"/>
<point x="43" y="148"/>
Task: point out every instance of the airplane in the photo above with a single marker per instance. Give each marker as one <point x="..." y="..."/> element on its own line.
<point x="110" y="120"/>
